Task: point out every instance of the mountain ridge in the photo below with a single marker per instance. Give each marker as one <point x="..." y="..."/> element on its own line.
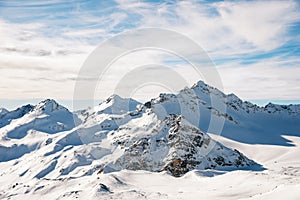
<point x="101" y="132"/>
<point x="172" y="134"/>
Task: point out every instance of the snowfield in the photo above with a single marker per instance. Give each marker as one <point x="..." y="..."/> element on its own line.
<point x="197" y="144"/>
<point x="280" y="180"/>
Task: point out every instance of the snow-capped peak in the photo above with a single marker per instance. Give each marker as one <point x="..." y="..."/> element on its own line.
<point x="8" y="116"/>
<point x="233" y="98"/>
<point x="114" y="98"/>
<point x="117" y="105"/>
<point x="47" y="117"/>
<point x="3" y="111"/>
<point x="200" y="83"/>
<point x="202" y="87"/>
<point x="48" y="106"/>
<point x="168" y="133"/>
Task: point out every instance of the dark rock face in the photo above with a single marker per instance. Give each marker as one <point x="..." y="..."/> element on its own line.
<point x="147" y="104"/>
<point x="179" y="167"/>
<point x="192" y="148"/>
<point x="177" y="146"/>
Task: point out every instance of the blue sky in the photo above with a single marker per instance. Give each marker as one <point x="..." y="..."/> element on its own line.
<point x="255" y="45"/>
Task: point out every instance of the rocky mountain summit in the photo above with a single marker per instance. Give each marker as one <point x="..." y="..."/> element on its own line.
<point x="166" y="133"/>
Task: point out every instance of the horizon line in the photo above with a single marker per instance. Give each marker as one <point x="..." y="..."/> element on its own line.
<point x="12" y="104"/>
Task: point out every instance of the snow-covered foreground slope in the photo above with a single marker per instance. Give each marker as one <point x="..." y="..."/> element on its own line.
<point x="280" y="181"/>
<point x="123" y="149"/>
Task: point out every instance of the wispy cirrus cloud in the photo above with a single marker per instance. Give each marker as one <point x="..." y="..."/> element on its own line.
<point x="224" y="27"/>
<point x="248" y="40"/>
<point x="262" y="24"/>
<point x="255" y="44"/>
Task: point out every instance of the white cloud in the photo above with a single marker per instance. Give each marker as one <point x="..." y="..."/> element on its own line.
<point x="263" y="24"/>
<point x="35" y="66"/>
<point x="227" y="27"/>
<point x="85" y="33"/>
<point x="225" y="30"/>
<point x="238" y="29"/>
<point x="271" y="78"/>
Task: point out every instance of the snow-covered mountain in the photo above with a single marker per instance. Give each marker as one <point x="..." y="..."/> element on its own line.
<point x="173" y="145"/>
<point x="6" y="117"/>
<point x="243" y="121"/>
<point x="165" y="134"/>
<point x="29" y="125"/>
<point x="3" y="111"/>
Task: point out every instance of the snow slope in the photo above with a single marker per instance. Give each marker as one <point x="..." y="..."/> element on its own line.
<point x="6" y="117"/>
<point x="280" y="180"/>
<point x="103" y="152"/>
<point x="30" y="126"/>
<point x="203" y="105"/>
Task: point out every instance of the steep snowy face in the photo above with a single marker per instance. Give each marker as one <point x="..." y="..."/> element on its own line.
<point x="6" y="117"/>
<point x="200" y="105"/>
<point x="49" y="106"/>
<point x="212" y="111"/>
<point x="117" y="105"/>
<point x="108" y="115"/>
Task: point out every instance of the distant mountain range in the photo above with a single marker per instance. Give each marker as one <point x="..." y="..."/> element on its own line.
<point x="167" y="133"/>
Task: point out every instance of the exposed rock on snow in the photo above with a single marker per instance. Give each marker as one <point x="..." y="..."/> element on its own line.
<point x="177" y="146"/>
<point x="47" y="142"/>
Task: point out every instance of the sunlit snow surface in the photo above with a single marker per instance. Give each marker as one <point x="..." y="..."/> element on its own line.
<point x="122" y="149"/>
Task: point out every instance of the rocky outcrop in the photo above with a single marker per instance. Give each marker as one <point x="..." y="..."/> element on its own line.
<point x="177" y="146"/>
